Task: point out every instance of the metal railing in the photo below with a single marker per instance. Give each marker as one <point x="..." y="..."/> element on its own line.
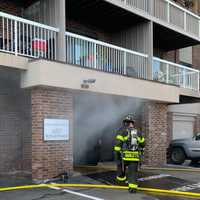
<point x="99" y="55"/>
<point x="140" y="4"/>
<point x="177" y="15"/>
<point x="170" y="12"/>
<point x="24" y="37"/>
<point x="172" y="73"/>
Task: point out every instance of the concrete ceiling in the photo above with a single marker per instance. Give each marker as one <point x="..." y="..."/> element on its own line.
<point x="101" y="14"/>
<point x="23" y="3"/>
<point x="168" y="39"/>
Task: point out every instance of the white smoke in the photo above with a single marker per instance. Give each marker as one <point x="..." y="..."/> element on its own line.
<point x="97" y="116"/>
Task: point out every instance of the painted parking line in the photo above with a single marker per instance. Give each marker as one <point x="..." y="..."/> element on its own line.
<point x="187" y="169"/>
<point x="188" y="187"/>
<point x="75" y="193"/>
<point x="148" y="178"/>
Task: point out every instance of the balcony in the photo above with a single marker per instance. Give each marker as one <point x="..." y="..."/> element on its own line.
<point x="27" y="38"/>
<point x="172" y="73"/>
<point x="169" y="12"/>
<point x="102" y="56"/>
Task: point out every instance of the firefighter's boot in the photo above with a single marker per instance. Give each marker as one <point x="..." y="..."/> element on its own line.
<point x="121" y="180"/>
<point x="132" y="188"/>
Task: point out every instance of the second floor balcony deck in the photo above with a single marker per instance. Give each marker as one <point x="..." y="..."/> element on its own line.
<point x="35" y="40"/>
<point x="102" y="56"/>
<point x="27" y="38"/>
<point x="167" y="12"/>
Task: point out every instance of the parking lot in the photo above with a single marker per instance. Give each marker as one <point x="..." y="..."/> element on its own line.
<point x="188" y="181"/>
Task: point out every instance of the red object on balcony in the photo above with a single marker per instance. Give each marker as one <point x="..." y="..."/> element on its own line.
<point x="39" y="45"/>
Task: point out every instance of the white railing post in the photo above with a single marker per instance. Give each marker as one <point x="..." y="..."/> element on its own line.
<point x="168" y="12"/>
<point x="95" y="55"/>
<point x="199" y="28"/>
<point x="184" y="78"/>
<point x="16" y="38"/>
<point x="185" y="21"/>
<point x="167" y="73"/>
<point x="152" y="68"/>
<point x="125" y="62"/>
<point x="198" y="80"/>
<point x="151" y="7"/>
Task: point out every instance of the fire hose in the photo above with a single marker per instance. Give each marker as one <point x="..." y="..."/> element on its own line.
<point x="149" y="190"/>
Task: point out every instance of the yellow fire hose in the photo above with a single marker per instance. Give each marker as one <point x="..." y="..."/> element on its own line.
<point x="151" y="190"/>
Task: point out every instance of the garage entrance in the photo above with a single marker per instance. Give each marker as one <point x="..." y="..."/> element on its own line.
<point x="184" y="119"/>
<point x="97" y="116"/>
<point x="183" y="126"/>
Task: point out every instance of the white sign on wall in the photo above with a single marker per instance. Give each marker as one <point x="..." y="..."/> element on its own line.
<point x="56" y="129"/>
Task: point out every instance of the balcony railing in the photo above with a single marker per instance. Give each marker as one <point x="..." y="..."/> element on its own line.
<point x="169" y="12"/>
<point x="24" y="37"/>
<point x="99" y="55"/>
<point x="172" y="73"/>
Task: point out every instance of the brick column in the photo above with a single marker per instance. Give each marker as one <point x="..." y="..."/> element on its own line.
<point x="169" y="127"/>
<point x="197" y="124"/>
<point x="155" y="127"/>
<point x="53" y="157"/>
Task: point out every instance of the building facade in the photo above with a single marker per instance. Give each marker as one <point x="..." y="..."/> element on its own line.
<point x="86" y="64"/>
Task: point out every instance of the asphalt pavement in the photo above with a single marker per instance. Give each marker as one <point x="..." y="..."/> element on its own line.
<point x="162" y="179"/>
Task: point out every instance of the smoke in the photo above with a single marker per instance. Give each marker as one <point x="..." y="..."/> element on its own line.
<point x="97" y="117"/>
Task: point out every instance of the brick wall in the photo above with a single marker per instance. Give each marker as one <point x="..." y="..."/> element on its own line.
<point x="10" y="7"/>
<point x="172" y="56"/>
<point x="169" y="127"/>
<point x="196" y="57"/>
<point x="197" y="124"/>
<point x="155" y="126"/>
<point x="50" y="158"/>
<point x="15" y="136"/>
<point x="185" y="3"/>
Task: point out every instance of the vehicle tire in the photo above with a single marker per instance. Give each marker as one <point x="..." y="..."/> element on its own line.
<point x="169" y="156"/>
<point x="177" y="156"/>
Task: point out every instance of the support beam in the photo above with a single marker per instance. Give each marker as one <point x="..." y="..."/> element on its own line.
<point x="61" y="24"/>
<point x="54" y="14"/>
<point x="150" y="49"/>
<point x="155" y="127"/>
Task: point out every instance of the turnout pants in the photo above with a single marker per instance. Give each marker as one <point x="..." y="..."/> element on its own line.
<point x="131" y="167"/>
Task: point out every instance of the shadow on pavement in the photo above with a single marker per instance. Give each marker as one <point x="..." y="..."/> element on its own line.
<point x="11" y="180"/>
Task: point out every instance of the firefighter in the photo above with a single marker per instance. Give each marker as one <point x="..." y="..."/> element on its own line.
<point x="127" y="149"/>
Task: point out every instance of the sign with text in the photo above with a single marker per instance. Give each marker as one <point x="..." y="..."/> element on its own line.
<point x="56" y="129"/>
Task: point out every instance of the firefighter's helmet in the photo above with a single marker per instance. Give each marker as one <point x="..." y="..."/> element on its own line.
<point x="129" y="118"/>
